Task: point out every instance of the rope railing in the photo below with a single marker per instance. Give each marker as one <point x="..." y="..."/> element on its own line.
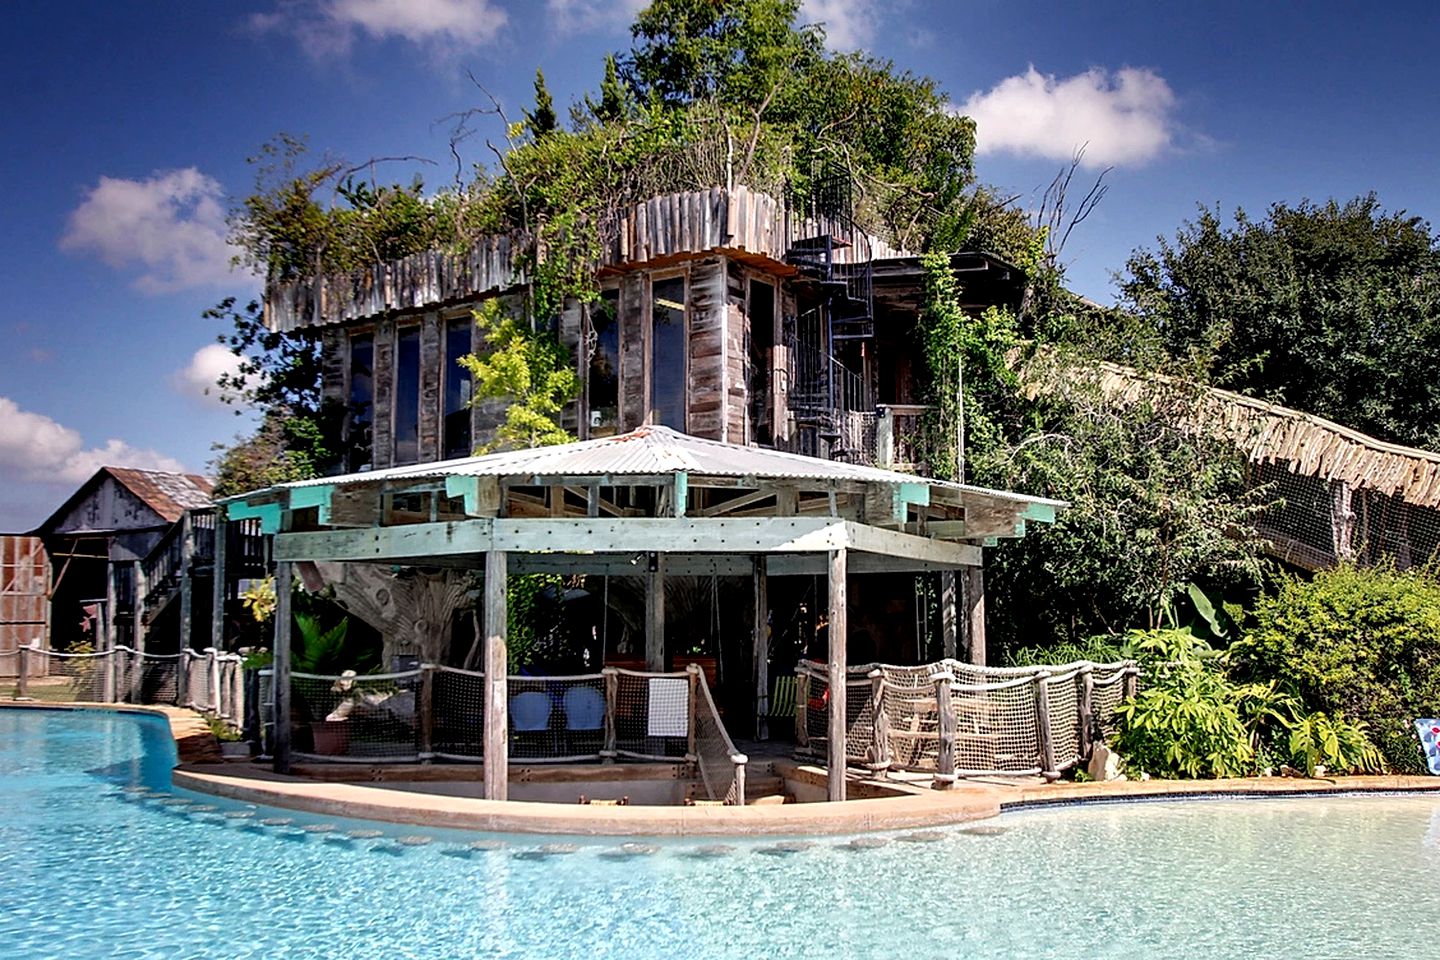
<point x="954" y="719"/>
<point x="209" y="682"/>
<point x="438" y="713"/>
<point x="721" y="766"/>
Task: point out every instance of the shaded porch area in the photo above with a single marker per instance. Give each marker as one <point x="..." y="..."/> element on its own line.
<point x="648" y="509"/>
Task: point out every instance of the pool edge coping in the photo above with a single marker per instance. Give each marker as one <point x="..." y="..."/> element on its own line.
<point x="201" y="769"/>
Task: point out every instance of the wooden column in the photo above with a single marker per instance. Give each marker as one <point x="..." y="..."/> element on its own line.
<point x="281" y="680"/>
<point x="137" y="670"/>
<point x="111" y="598"/>
<point x="217" y="587"/>
<point x="949" y="615"/>
<point x="497" y="683"/>
<point x="1043" y="734"/>
<point x="975" y="613"/>
<point x="655" y="615"/>
<point x="839" y="632"/>
<point x="761" y="646"/>
<point x="945" y="711"/>
<point x="187" y="605"/>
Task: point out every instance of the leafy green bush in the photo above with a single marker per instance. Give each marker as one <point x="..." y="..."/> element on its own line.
<point x="1186" y="719"/>
<point x="1355" y="642"/>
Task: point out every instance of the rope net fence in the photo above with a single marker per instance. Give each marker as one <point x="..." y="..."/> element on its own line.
<point x="209" y="682"/>
<point x="957" y="719"/>
<point x="435" y="712"/>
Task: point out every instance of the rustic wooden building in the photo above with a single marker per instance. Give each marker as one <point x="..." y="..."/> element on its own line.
<point x="725" y="314"/>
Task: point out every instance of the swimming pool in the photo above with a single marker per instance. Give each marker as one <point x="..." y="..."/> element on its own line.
<point x="99" y="857"/>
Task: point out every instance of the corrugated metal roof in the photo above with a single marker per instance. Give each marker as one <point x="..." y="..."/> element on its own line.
<point x="654" y="450"/>
<point x="168" y="494"/>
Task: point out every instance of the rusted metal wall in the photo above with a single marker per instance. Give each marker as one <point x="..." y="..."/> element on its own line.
<point x="24" y="576"/>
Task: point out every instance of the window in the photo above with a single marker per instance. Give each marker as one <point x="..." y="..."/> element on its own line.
<point x="667" y="352"/>
<point x="456" y="418"/>
<point x="762" y="342"/>
<point x="604" y="382"/>
<point x="407" y="396"/>
<point x="361" y="402"/>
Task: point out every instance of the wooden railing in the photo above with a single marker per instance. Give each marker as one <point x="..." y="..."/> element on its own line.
<point x="898" y="432"/>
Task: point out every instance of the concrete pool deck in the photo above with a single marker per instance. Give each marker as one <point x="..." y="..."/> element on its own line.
<point x="377" y="793"/>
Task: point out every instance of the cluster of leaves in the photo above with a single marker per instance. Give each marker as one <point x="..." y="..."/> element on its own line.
<point x="1358" y="642"/>
<point x="531" y="371"/>
<point x="1191" y="718"/>
<point x="1329" y="308"/>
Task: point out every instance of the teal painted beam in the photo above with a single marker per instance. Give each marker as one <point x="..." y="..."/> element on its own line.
<point x="317" y="496"/>
<point x="268" y="514"/>
<point x="466" y="487"/>
<point x="1039" y="512"/>
<point x="682" y="492"/>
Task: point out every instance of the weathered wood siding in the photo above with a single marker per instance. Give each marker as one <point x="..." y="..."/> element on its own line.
<point x="737" y="357"/>
<point x="705" y="404"/>
<point x="671" y="226"/>
<point x="432" y="359"/>
<point x="109" y="507"/>
<point x="24" y="577"/>
<point x="335" y="365"/>
<point x="381" y="433"/>
<point x="634" y="309"/>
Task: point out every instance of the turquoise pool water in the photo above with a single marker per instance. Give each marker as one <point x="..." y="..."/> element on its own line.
<point x="100" y="857"/>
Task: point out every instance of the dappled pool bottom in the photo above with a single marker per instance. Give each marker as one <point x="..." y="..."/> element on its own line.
<point x="99" y="857"/>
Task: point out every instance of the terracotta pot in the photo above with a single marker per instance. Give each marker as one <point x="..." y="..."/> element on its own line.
<point x="332" y="737"/>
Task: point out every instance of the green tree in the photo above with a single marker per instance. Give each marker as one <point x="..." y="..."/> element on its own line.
<point x="529" y="370"/>
<point x="542" y="120"/>
<point x="1330" y="308"/>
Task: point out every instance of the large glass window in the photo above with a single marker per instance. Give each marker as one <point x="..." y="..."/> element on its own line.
<point x="667" y="352"/>
<point x="762" y="342"/>
<point x="457" y="389"/>
<point x="604" y="383"/>
<point x="407" y="395"/>
<point x="361" y="402"/>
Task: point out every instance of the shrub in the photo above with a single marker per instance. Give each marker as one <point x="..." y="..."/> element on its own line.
<point x="1355" y="642"/>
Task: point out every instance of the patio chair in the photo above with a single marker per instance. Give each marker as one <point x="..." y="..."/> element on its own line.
<point x="530" y="711"/>
<point x="584" y="713"/>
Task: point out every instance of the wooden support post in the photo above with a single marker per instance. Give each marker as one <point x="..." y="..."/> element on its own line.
<point x="975" y="614"/>
<point x="802" y="707"/>
<point x="427" y="712"/>
<point x="1043" y="734"/>
<point x="218" y="590"/>
<point x="945" y="710"/>
<point x="108" y="670"/>
<point x="690" y="727"/>
<point x="879" y="725"/>
<point x="212" y="674"/>
<point x="838" y="666"/>
<point x="1086" y="710"/>
<point x="760" y="639"/>
<point x="281" y="679"/>
<point x="22" y="671"/>
<point x="137" y="672"/>
<point x="655" y="614"/>
<point x="187" y="557"/>
<point x="612" y="697"/>
<point x="949" y="615"/>
<point x="497" y="681"/>
<point x="1130" y="685"/>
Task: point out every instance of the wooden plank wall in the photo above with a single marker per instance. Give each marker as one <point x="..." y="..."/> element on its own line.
<point x="634" y="309"/>
<point x="380" y="426"/>
<point x="671" y="226"/>
<point x="24" y="576"/>
<point x="572" y="326"/>
<point x="705" y="405"/>
<point x="432" y="360"/>
<point x="737" y="355"/>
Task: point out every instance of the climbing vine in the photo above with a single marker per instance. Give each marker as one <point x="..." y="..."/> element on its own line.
<point x="531" y="370"/>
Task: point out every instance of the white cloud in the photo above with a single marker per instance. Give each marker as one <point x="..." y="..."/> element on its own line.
<point x="34" y="448"/>
<point x="329" y="27"/>
<point x="1120" y="118"/>
<point x="849" y="24"/>
<point x="198" y="377"/>
<point x="172" y="225"/>
<point x="577" y="16"/>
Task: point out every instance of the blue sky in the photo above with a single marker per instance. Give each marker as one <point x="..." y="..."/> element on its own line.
<point x="126" y="127"/>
